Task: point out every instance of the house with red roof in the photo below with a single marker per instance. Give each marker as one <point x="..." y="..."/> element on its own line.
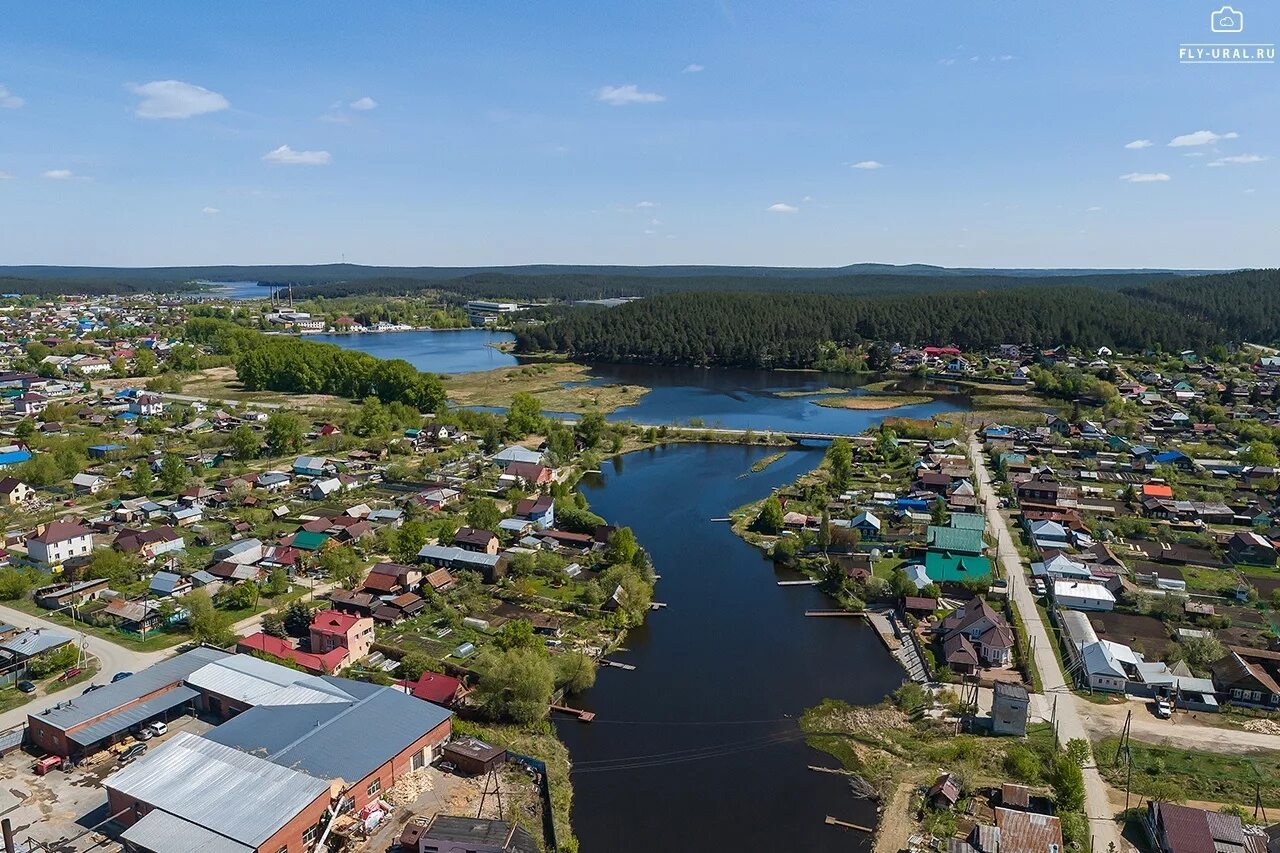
<point x="333" y="629"/>
<point x="277" y="647"/>
<point x="434" y="687"/>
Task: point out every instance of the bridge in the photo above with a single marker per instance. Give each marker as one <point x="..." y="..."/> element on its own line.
<point x="791" y="435"/>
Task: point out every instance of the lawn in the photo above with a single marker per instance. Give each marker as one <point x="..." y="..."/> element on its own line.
<point x="153" y="642"/>
<point x="1195" y="775"/>
<point x="12" y="697"/>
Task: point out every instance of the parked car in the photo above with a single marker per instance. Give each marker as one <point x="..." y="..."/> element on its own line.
<point x="120" y="676"/>
<point x="135" y="751"/>
<point x="91" y="688"/>
<point x="1164" y="708"/>
<point x="157" y="728"/>
<point x="447" y="767"/>
<point x="27" y="686"/>
<point x="145" y="733"/>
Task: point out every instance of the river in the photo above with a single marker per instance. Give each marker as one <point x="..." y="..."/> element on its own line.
<point x="697" y="748"/>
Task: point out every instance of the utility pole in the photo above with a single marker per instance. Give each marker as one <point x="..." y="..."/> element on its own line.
<point x="1124" y="738"/>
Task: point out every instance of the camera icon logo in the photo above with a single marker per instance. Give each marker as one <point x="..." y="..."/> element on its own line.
<point x="1226" y="20"/>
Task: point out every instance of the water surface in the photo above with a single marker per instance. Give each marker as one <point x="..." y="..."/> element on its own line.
<point x="443" y="351"/>
<point x="697" y="749"/>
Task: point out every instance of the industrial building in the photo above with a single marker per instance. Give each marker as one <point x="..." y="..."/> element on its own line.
<point x="293" y="751"/>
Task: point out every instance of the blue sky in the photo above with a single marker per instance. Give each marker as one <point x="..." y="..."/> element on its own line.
<point x="988" y="134"/>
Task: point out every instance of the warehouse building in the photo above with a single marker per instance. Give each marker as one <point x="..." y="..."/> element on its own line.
<point x="93" y="721"/>
<point x="320" y="745"/>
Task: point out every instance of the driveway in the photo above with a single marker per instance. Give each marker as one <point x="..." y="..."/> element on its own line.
<point x="111" y="657"/>
<point x="1184" y="730"/>
<point x="1070" y="723"/>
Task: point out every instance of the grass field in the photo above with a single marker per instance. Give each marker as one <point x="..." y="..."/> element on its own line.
<point x="559" y="387"/>
<point x="873" y="402"/>
<point x="1206" y="776"/>
<point x="220" y="383"/>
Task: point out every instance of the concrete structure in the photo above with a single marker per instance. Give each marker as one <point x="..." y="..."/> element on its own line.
<point x="1009" y="706"/>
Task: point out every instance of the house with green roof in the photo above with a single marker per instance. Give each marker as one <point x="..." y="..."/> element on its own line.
<point x="306" y="540"/>
<point x="968" y="520"/>
<point x="957" y="540"/>
<point x="946" y="567"/>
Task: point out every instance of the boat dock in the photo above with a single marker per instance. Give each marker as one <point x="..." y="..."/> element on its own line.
<point x="806" y="582"/>
<point x="583" y="716"/>
<point x="613" y="663"/>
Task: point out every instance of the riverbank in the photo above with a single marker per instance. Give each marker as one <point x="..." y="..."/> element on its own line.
<point x="873" y="402"/>
<point x="559" y="387"/>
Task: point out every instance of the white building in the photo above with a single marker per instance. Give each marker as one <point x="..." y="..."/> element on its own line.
<point x="58" y="541"/>
<point x="1082" y="595"/>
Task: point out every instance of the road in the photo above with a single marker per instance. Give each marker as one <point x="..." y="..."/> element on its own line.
<point x="1184" y="730"/>
<point x="111" y="658"/>
<point x="1102" y="825"/>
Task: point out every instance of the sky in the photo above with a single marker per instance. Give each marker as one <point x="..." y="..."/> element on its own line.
<point x="980" y="134"/>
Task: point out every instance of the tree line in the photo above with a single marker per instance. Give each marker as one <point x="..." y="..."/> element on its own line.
<point x="296" y="366"/>
<point x="764" y="331"/>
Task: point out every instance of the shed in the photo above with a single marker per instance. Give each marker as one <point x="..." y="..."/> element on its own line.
<point x="473" y="756"/>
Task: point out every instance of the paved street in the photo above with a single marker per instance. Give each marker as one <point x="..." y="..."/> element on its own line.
<point x="112" y="658"/>
<point x="1070" y="723"/>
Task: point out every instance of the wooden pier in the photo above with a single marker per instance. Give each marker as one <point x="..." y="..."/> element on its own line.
<point x="613" y="663"/>
<point x="844" y="824"/>
<point x="806" y="582"/>
<point x="834" y="613"/>
<point x="583" y="716"/>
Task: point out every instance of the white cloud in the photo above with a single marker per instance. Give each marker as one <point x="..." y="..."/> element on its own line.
<point x="5" y="176"/>
<point x="868" y="164"/>
<point x="646" y="204"/>
<point x="1145" y="177"/>
<point x="8" y="100"/>
<point x="782" y="207"/>
<point x="1200" y="137"/>
<point x="1239" y="158"/>
<point x="692" y="68"/>
<point x="363" y="104"/>
<point x="64" y="175"/>
<point x="1093" y="209"/>
<point x="1139" y="143"/>
<point x="175" y="99"/>
<point x="286" y="156"/>
<point x="210" y="210"/>
<point x="618" y="96"/>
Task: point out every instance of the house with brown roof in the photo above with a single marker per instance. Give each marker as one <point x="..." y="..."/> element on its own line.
<point x="1172" y="828"/>
<point x="14" y="492"/>
<point x="471" y="539"/>
<point x="976" y="635"/>
<point x="1249" y="677"/>
<point x="54" y="543"/>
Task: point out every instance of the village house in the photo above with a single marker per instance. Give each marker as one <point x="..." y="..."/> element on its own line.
<point x="333" y="629"/>
<point x="14" y="492"/>
<point x="55" y="543"/>
<point x="976" y="636"/>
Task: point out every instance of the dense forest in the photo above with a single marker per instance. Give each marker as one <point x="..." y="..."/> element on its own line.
<point x="286" y="363"/>
<point x="759" y="330"/>
<point x="543" y="283"/>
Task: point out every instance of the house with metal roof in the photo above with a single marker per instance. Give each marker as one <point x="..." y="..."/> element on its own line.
<point x="197" y="794"/>
<point x="91" y="721"/>
<point x="450" y="834"/>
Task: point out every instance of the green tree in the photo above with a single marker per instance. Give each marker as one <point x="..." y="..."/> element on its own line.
<point x="143" y="481"/>
<point x="413" y="665"/>
<point x="517" y="634"/>
<point x="277" y="583"/>
<point x="770" y="518"/>
<point x="273" y="625"/>
<point x="113" y="565"/>
<point x="483" y="514"/>
<point x="17" y="581"/>
<point x="245" y="443"/>
<point x="297" y="619"/>
<point x="25" y="429"/>
<point x="840" y="464"/>
<point x="1260" y="453"/>
<point x="206" y="623"/>
<point x="341" y="565"/>
<point x="373" y="419"/>
<point x="173" y="474"/>
<point x="575" y="672"/>
<point x="144" y="363"/>
<point x="285" y="433"/>
<point x="409" y="540"/>
<point x="516" y="686"/>
<point x="590" y="429"/>
<point x="622" y="546"/>
<point x="938" y="512"/>
<point x="524" y="415"/>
